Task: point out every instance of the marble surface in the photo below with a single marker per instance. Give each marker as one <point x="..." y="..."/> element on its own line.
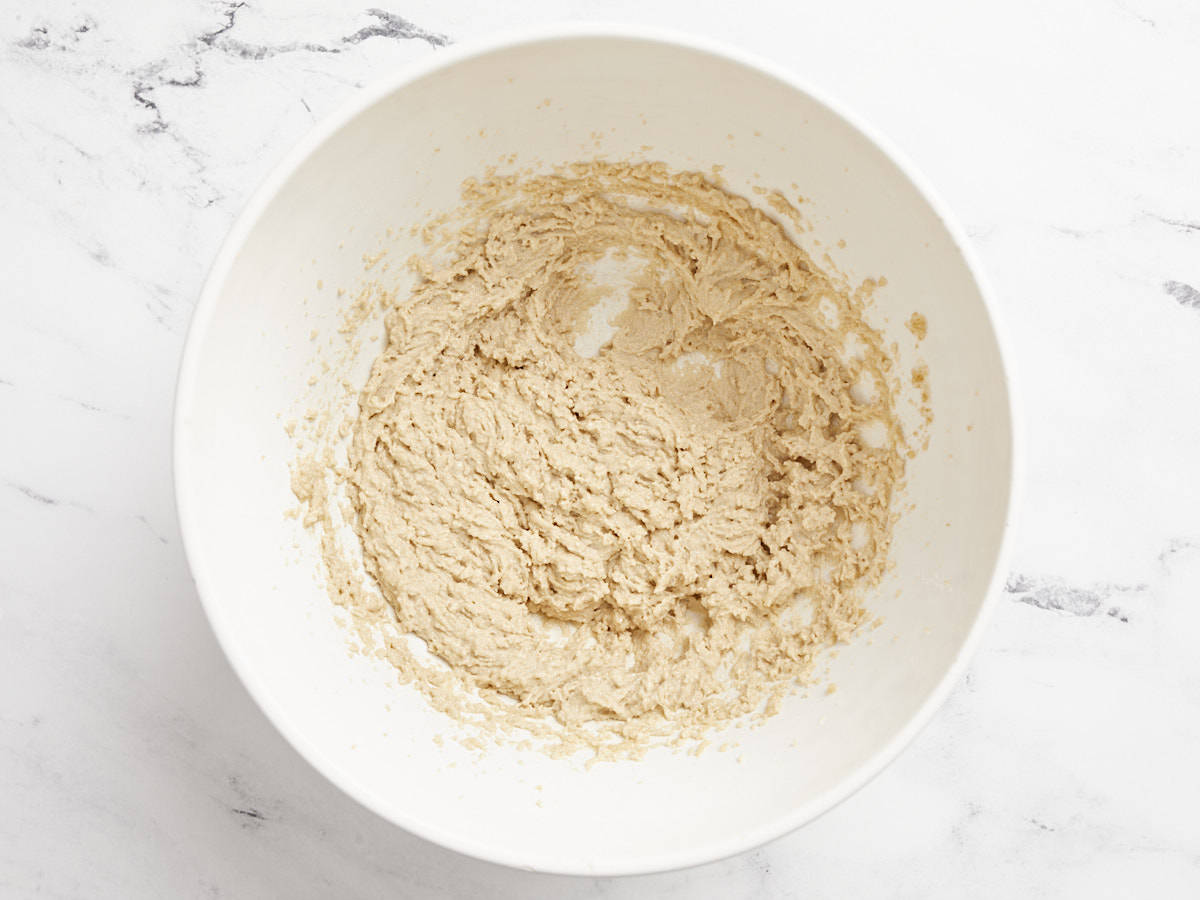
<point x="1064" y="135"/>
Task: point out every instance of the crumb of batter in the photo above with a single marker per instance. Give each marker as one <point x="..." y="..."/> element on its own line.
<point x="918" y="326"/>
<point x="646" y="539"/>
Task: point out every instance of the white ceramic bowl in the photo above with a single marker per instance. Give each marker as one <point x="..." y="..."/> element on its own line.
<point x="403" y="147"/>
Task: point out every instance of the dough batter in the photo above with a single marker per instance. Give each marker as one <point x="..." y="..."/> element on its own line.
<point x="649" y="540"/>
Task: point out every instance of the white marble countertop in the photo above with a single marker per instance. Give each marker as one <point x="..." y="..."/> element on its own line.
<point x="1066" y="136"/>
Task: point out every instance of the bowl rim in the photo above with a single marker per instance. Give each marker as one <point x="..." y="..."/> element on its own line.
<point x="341" y="776"/>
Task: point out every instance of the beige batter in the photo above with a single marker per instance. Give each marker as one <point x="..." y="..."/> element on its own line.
<point x="649" y="540"/>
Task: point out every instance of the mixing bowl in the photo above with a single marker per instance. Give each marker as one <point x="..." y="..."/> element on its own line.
<point x="400" y="151"/>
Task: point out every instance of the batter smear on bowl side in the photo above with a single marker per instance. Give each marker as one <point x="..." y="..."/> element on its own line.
<point x="642" y="539"/>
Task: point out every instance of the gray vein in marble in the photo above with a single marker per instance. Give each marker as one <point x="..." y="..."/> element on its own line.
<point x="1145" y="20"/>
<point x="162" y="300"/>
<point x="1181" y="224"/>
<point x="1175" y="547"/>
<point x="970" y="816"/>
<point x="253" y="814"/>
<point x="34" y="495"/>
<point x="387" y="25"/>
<point x="759" y="863"/>
<point x="1187" y="226"/>
<point x="1186" y="294"/>
<point x="393" y="26"/>
<point x="247" y="807"/>
<point x="39" y="497"/>
<point x="162" y="540"/>
<point x="230" y="15"/>
<point x="141" y="92"/>
<point x="40" y="37"/>
<point x="91" y="407"/>
<point x="1073" y="232"/>
<point x="74" y="147"/>
<point x="1055" y="594"/>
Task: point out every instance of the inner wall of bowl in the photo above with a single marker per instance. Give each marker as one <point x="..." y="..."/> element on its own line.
<point x="406" y="156"/>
